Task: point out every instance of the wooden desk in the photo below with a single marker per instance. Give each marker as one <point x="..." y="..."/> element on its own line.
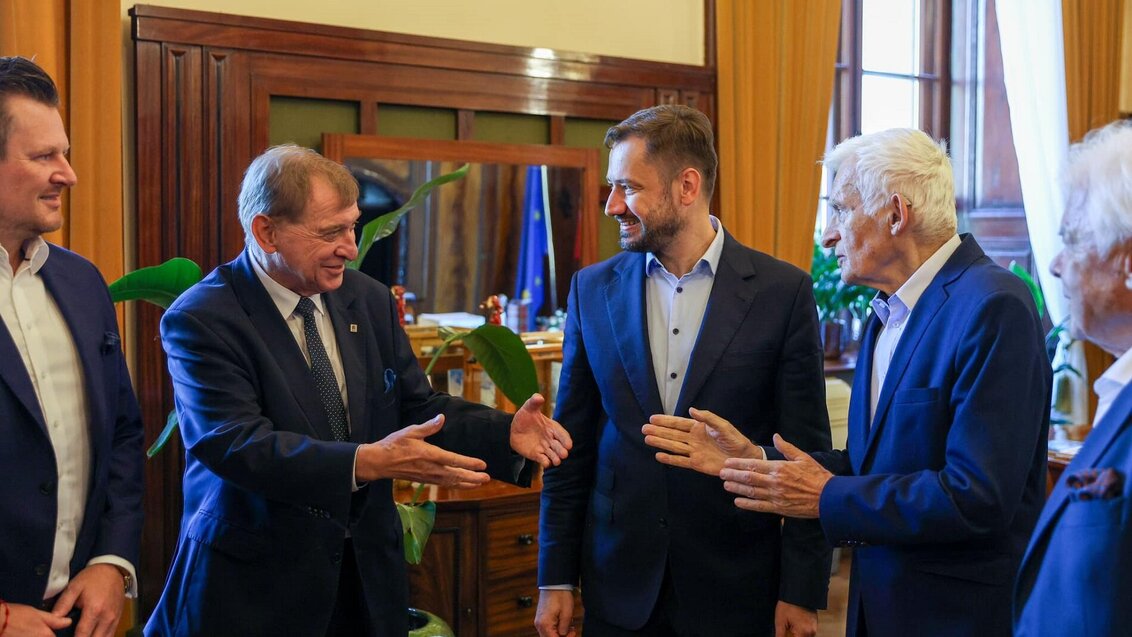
<point x="479" y="570"/>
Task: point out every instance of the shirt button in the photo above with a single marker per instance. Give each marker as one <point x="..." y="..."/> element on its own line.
<point x="679" y="289"/>
<point x="672" y="375"/>
<point x="675" y="330"/>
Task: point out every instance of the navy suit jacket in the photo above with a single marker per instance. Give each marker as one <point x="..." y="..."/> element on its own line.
<point x="1075" y="577"/>
<point x="616" y="518"/>
<point x="112" y="519"/>
<point x="268" y="499"/>
<point x="940" y="491"/>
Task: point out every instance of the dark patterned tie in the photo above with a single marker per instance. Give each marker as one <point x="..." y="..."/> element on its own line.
<point x="323" y="373"/>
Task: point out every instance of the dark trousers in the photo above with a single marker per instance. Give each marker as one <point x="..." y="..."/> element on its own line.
<point x="350" y="618"/>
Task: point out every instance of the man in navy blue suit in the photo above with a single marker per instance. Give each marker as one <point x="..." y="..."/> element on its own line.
<point x="71" y="457"/>
<point x="685" y="317"/>
<point x="297" y="391"/>
<point x="944" y="474"/>
<point x="1076" y="577"/>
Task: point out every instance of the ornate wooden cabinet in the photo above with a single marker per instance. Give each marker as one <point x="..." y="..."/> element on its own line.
<point x="479" y="567"/>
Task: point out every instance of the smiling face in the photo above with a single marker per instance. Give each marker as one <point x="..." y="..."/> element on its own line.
<point x="309" y="256"/>
<point x="34" y="172"/>
<point x="641" y="200"/>
<point x="861" y="239"/>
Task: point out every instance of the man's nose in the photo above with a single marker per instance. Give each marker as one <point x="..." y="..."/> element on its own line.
<point x="830" y="236"/>
<point x="615" y="204"/>
<point x="1055" y="265"/>
<point x="64" y="175"/>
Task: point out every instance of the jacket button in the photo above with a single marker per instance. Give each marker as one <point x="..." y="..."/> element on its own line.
<point x="47" y="488"/>
<point x="663" y="523"/>
<point x="336" y="558"/>
<point x="41" y="570"/>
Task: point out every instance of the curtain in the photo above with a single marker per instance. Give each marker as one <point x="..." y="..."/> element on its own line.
<point x="775" y="65"/>
<point x="78" y="42"/>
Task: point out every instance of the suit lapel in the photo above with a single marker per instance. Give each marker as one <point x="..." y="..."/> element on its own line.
<point x="1096" y="444"/>
<point x="861" y="398"/>
<point x="273" y="329"/>
<point x="732" y="292"/>
<point x="625" y="301"/>
<point x="15" y="376"/>
<point x="348" y="325"/>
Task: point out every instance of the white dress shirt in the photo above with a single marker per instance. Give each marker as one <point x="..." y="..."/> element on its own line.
<point x="47" y="348"/>
<point x="895" y="312"/>
<point x="675" y="308"/>
<point x="1111" y="382"/>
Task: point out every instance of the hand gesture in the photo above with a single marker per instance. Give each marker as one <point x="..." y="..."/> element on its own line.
<point x="797" y="621"/>
<point x="702" y="442"/>
<point x="97" y="591"/>
<point x="555" y="614"/>
<point x="28" y="621"/>
<point x="405" y="454"/>
<point x="538" y="438"/>
<point x="790" y="487"/>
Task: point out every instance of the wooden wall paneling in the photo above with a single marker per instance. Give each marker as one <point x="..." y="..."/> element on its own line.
<point x="557" y="130"/>
<point x="465" y="124"/>
<point x="229" y="146"/>
<point x="367" y="117"/>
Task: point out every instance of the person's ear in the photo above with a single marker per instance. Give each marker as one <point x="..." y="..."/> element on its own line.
<point x="263" y="230"/>
<point x="690" y="182"/>
<point x="898" y="214"/>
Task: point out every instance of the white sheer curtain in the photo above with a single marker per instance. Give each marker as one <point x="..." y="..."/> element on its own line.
<point x="1033" y="61"/>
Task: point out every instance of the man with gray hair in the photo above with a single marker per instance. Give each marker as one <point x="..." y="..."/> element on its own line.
<point x="944" y="472"/>
<point x="296" y="386"/>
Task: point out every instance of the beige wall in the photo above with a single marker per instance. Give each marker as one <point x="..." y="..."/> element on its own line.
<point x="1126" y="64"/>
<point x="664" y="30"/>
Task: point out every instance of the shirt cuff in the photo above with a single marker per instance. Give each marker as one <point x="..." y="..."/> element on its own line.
<point x="114" y="560"/>
<point x="556" y="587"/>
<point x="354" y="472"/>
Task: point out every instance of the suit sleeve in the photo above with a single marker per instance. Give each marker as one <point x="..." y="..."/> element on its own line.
<point x="120" y="522"/>
<point x="566" y="488"/>
<point x="224" y="427"/>
<point x="803" y="421"/>
<point x="992" y="416"/>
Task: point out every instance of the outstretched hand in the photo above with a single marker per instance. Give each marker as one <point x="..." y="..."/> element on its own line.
<point x="404" y="454"/>
<point x="701" y="443"/>
<point x="790" y="487"/>
<point x="537" y="437"/>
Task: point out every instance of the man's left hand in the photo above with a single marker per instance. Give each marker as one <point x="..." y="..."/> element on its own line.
<point x="794" y="620"/>
<point x="536" y="437"/>
<point x="790" y="487"/>
<point x="98" y="591"/>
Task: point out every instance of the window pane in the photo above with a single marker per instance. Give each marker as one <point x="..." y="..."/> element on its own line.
<point x="888" y="102"/>
<point x="890" y="33"/>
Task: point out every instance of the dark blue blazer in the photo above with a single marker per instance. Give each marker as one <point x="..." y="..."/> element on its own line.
<point x="1076" y="577"/>
<point x="615" y="518"/>
<point x="28" y="507"/>
<point x="940" y="491"/>
<point x="267" y="489"/>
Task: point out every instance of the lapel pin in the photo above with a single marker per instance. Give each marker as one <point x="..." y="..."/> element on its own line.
<point x="353" y="327"/>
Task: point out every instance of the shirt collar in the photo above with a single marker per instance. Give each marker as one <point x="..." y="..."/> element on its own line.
<point x="35" y="253"/>
<point x="898" y="306"/>
<point x="285" y="299"/>
<point x="1115" y="377"/>
<point x="708" y="263"/>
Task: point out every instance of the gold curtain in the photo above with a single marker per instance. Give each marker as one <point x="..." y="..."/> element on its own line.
<point x="775" y="62"/>
<point x="78" y="43"/>
<point x="1092" y="31"/>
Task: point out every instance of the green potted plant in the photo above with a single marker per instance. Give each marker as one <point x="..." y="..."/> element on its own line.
<point x="834" y="298"/>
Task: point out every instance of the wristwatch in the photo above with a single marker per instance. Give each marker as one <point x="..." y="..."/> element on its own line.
<point x="127" y="580"/>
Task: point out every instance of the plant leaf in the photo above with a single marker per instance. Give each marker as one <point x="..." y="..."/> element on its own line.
<point x="505" y="358"/>
<point x="386" y="224"/>
<point x="417" y="521"/>
<point x="158" y="284"/>
<point x="171" y="423"/>
<point x="1035" y="290"/>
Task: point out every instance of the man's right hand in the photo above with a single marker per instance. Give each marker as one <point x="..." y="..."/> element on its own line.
<point x="28" y="621"/>
<point x="404" y="454"/>
<point x="555" y="614"/>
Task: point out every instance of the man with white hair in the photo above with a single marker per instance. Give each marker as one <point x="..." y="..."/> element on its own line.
<point x="1076" y="570"/>
<point x="944" y="473"/>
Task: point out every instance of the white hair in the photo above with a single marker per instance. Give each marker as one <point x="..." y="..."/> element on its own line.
<point x="1099" y="176"/>
<point x="908" y="162"/>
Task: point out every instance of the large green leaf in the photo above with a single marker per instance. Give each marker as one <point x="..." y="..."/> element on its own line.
<point x="505" y="358"/>
<point x="386" y="224"/>
<point x="159" y="284"/>
<point x="417" y="521"/>
<point x="1035" y="290"/>
<point x="170" y="428"/>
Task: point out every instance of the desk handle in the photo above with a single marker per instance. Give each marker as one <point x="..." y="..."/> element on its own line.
<point x="526" y="539"/>
<point x="525" y="601"/>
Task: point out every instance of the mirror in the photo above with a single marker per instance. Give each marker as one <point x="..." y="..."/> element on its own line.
<point x="463" y="243"/>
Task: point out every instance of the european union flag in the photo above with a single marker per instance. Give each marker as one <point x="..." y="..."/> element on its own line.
<point x="533" y="248"/>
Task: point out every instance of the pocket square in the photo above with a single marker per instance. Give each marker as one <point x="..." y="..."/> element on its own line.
<point x="110" y="342"/>
<point x="390" y="379"/>
<point x="1095" y="484"/>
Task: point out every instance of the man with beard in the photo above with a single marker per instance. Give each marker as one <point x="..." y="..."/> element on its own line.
<point x="686" y="317"/>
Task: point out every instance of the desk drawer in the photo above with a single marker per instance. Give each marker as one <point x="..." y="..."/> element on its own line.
<point x="512" y="544"/>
